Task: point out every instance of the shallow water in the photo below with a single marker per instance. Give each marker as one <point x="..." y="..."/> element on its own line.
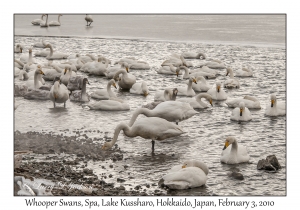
<point x="205" y="132"/>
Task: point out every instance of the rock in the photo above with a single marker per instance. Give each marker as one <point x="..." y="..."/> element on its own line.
<point x="137" y="187"/>
<point x="237" y="175"/>
<point x="121" y="187"/>
<point x="120" y="180"/>
<point x="110" y="175"/>
<point x="87" y="191"/>
<point x="148" y="185"/>
<point x="270" y="164"/>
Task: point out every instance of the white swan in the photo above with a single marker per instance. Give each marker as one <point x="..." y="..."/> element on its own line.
<point x="44" y="23"/>
<point x="95" y="67"/>
<point x="241" y="113"/>
<point x="55" y="23"/>
<point x="166" y="95"/>
<point x="170" y="69"/>
<point x="59" y="93"/>
<point x="40" y="44"/>
<point x="233" y="153"/>
<point x="125" y="81"/>
<point x="196" y="102"/>
<point x="27" y="59"/>
<point x="67" y="75"/>
<point x="154" y="128"/>
<point x="192" y="173"/>
<point x="140" y="88"/>
<point x="250" y="102"/>
<point x="105" y="94"/>
<point x="232" y="82"/>
<point x="108" y="105"/>
<point x="217" y="93"/>
<point x="187" y="74"/>
<point x="182" y="91"/>
<point x="88" y="19"/>
<point x="42" y="53"/>
<point x="51" y="73"/>
<point x="177" y="60"/>
<point x="215" y="64"/>
<point x="193" y="55"/>
<point x="205" y="69"/>
<point x="244" y="72"/>
<point x="37" y="81"/>
<point x="173" y="111"/>
<point x="37" y="22"/>
<point x="276" y="108"/>
<point x="81" y="95"/>
<point x="23" y="75"/>
<point x="201" y="85"/>
<point x="19" y="48"/>
<point x="112" y="70"/>
<point x="55" y="55"/>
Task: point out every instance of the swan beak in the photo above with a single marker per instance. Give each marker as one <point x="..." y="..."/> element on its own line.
<point x="65" y="71"/>
<point x="30" y="51"/>
<point x="21" y="49"/>
<point x="87" y="82"/>
<point x="272" y="103"/>
<point x="226" y="145"/>
<point x="210" y="101"/>
<point x="194" y="81"/>
<point x="241" y="112"/>
<point x="127" y="69"/>
<point x="115" y="85"/>
<point x="177" y="73"/>
<point x="226" y="73"/>
<point x="218" y="88"/>
<point x="184" y="166"/>
<point x="41" y="72"/>
<point x="145" y="94"/>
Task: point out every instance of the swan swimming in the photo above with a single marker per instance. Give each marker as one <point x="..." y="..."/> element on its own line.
<point x="187" y="74"/>
<point x="217" y="93"/>
<point x="169" y="69"/>
<point x="191" y="174"/>
<point x="105" y="94"/>
<point x="250" y="102"/>
<point x="88" y="19"/>
<point x="182" y="91"/>
<point x="66" y="76"/>
<point x="140" y="88"/>
<point x="59" y="93"/>
<point x="201" y="85"/>
<point x="241" y="113"/>
<point x="95" y="67"/>
<point x="55" y="55"/>
<point x="196" y="102"/>
<point x="44" y="23"/>
<point x="37" y="22"/>
<point x="275" y="108"/>
<point x="27" y="59"/>
<point x="173" y="111"/>
<point x="81" y="95"/>
<point x="19" y="48"/>
<point x="193" y="55"/>
<point x="232" y="82"/>
<point x="55" y="23"/>
<point x="244" y="72"/>
<point x="109" y="105"/>
<point x="233" y="153"/>
<point x="166" y="95"/>
<point x="154" y="128"/>
<point x="125" y="81"/>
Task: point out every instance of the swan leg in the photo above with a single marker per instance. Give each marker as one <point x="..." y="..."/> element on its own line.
<point x="90" y="23"/>
<point x="54" y="104"/>
<point x="153" y="142"/>
<point x="65" y="105"/>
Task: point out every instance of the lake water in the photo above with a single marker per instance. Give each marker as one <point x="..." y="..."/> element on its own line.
<point x="237" y="40"/>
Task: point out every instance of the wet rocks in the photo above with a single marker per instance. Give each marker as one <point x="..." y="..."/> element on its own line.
<point x="269" y="164"/>
<point x="236" y="175"/>
<point x="137" y="187"/>
<point x="120" y="180"/>
<point x="121" y="187"/>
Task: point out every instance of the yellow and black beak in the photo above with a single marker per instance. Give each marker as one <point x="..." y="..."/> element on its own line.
<point x="226" y="145"/>
<point x="65" y="71"/>
<point x="41" y="72"/>
<point x="21" y="49"/>
<point x="241" y="112"/>
<point x="145" y="94"/>
<point x="272" y="103"/>
<point x="184" y="166"/>
<point x="194" y="81"/>
<point x="218" y="88"/>
<point x="210" y="101"/>
<point x="114" y="84"/>
<point x="127" y="69"/>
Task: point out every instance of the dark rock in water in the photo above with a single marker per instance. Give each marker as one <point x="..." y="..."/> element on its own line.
<point x="160" y="183"/>
<point x="237" y="175"/>
<point x="121" y="187"/>
<point x="137" y="187"/>
<point x="270" y="164"/>
<point x="120" y="180"/>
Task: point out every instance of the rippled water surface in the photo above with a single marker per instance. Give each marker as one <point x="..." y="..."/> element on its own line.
<point x="205" y="132"/>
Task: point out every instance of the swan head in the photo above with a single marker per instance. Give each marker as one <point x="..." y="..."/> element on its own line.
<point x="85" y="80"/>
<point x="273" y="99"/>
<point x="196" y="163"/>
<point x="113" y="83"/>
<point x="218" y="86"/>
<point x="39" y="70"/>
<point x="192" y="79"/>
<point x="30" y="50"/>
<point x="242" y="108"/>
<point x="229" y="140"/>
<point x="106" y="146"/>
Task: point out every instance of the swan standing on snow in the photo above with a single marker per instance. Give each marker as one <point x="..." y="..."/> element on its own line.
<point x="196" y="102"/>
<point x="55" y="55"/>
<point x="126" y="81"/>
<point x="166" y="95"/>
<point x="250" y="102"/>
<point x="232" y="82"/>
<point x="18" y="48"/>
<point x="201" y="85"/>
<point x="187" y="91"/>
<point x="81" y="95"/>
<point x="244" y="72"/>
<point x="59" y="93"/>
<point x="173" y="111"/>
<point x="192" y="173"/>
<point x="241" y="113"/>
<point x="154" y="128"/>
<point x="140" y="88"/>
<point x="44" y="23"/>
<point x="217" y="93"/>
<point x="109" y="105"/>
<point x="103" y="94"/>
<point x="232" y="153"/>
<point x="192" y="55"/>
<point x="55" y="23"/>
<point x="88" y="19"/>
<point x="276" y="108"/>
<point x="37" y="22"/>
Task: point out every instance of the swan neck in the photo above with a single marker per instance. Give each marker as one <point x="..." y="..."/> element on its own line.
<point x="109" y="89"/>
<point x="186" y="72"/>
<point x="145" y="111"/>
<point x="19" y="62"/>
<point x="58" y="18"/>
<point x="234" y="147"/>
<point x="83" y="89"/>
<point x="121" y="126"/>
<point x="190" y="85"/>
